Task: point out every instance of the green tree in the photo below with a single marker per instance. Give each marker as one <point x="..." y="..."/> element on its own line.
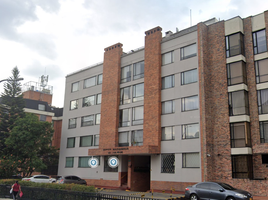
<point x="30" y="140"/>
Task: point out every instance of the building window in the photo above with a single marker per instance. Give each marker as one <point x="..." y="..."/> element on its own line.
<point x="264" y="158"/>
<point x="189" y="103"/>
<point x="69" y="162"/>
<point x="137" y="138"/>
<point x="41" y="107"/>
<point x="125" y="95"/>
<point x="72" y="123"/>
<point x="86" y="141"/>
<point x="263" y="101"/>
<point x="236" y="73"/>
<point x="99" y="79"/>
<point x="96" y="140"/>
<point x="259" y="41"/>
<point x="168" y="107"/>
<point x="123" y="139"/>
<point x="98" y="99"/>
<point x="234" y="45"/>
<point x="190" y="131"/>
<point x="167" y="58"/>
<point x="264" y="131"/>
<point x="138" y="70"/>
<point x="126" y="74"/>
<point x="73" y="104"/>
<point x="75" y="87"/>
<point x="97" y="118"/>
<point x="107" y="168"/>
<point x="242" y="166"/>
<point x="87" y="120"/>
<point x="138" y="92"/>
<point x="240" y="135"/>
<point x="168" y="133"/>
<point x="137" y="115"/>
<point x="83" y="161"/>
<point x="43" y="118"/>
<point x="261" y="71"/>
<point x="89" y="101"/>
<point x="238" y="103"/>
<point x="188" y="51"/>
<point x="124" y="117"/>
<point x="168" y="163"/>
<point x="90" y="82"/>
<point x="189" y="77"/>
<point x="71" y="142"/>
<point x="168" y="82"/>
<point x="190" y="160"/>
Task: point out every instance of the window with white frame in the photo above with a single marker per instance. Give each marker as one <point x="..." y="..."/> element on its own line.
<point x="75" y="86"/>
<point x="69" y="162"/>
<point x="123" y="139"/>
<point x="90" y="82"/>
<point x="190" y="131"/>
<point x="259" y="41"/>
<point x="137" y="138"/>
<point x="124" y="117"/>
<point x="138" y="92"/>
<point x="190" y="160"/>
<point x="188" y="77"/>
<point x="168" y="107"/>
<point x="189" y="103"/>
<point x="125" y="95"/>
<point x="98" y="99"/>
<point x="71" y="142"/>
<point x="126" y="74"/>
<point x="168" y="133"/>
<point x="137" y="117"/>
<point x="99" y="79"/>
<point x="167" y="58"/>
<point x="97" y="118"/>
<point x="87" y="120"/>
<point x="73" y="104"/>
<point x="138" y="69"/>
<point x="168" y="163"/>
<point x="86" y="141"/>
<point x="188" y="51"/>
<point x="168" y="82"/>
<point x="41" y="107"/>
<point x="96" y="140"/>
<point x="89" y="101"/>
<point x="72" y="123"/>
<point x="83" y="161"/>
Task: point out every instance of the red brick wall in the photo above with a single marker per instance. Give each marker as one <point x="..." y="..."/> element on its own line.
<point x="57" y="133"/>
<point x="169" y="185"/>
<point x="37" y="96"/>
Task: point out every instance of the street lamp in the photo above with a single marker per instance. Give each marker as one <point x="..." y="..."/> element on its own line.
<point x="19" y="79"/>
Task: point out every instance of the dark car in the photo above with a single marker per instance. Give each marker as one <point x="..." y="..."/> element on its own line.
<point x="71" y="179"/>
<point x="215" y="191"/>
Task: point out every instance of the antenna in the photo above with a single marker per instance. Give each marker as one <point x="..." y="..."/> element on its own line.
<point x="44" y="80"/>
<point x="190" y="17"/>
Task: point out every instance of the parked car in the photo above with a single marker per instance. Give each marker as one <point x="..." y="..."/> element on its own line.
<point x="71" y="179"/>
<point x="215" y="190"/>
<point x="40" y="179"/>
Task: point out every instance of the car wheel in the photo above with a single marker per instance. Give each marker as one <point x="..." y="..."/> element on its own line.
<point x="194" y="197"/>
<point x="230" y="198"/>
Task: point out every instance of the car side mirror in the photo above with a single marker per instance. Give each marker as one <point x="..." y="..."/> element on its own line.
<point x="221" y="190"/>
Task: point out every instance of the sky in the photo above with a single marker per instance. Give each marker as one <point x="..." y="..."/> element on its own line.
<point x="59" y="37"/>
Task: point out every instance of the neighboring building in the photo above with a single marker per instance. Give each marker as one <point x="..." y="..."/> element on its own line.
<point x="188" y="107"/>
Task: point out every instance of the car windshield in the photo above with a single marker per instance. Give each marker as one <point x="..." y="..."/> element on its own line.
<point x="226" y="186"/>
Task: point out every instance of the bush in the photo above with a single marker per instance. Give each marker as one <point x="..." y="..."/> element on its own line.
<point x="71" y="187"/>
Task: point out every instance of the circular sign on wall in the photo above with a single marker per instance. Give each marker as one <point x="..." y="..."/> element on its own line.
<point x="113" y="162"/>
<point x="93" y="162"/>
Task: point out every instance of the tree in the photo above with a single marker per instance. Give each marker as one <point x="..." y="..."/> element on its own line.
<point x="12" y="104"/>
<point x="30" y="140"/>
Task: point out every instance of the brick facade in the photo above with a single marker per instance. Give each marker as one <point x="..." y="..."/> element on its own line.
<point x="38" y="96"/>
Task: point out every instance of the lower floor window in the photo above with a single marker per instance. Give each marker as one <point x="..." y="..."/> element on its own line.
<point x="167" y="163"/>
<point x="190" y="160"/>
<point x="242" y="166"/>
<point x="83" y="161"/>
<point x="107" y="168"/>
<point x="69" y="162"/>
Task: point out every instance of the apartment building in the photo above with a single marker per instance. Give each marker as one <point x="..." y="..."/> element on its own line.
<point x="187" y="107"/>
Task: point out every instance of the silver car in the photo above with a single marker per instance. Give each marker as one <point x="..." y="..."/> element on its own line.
<point x="40" y="179"/>
<point x="71" y="179"/>
<point x="215" y="191"/>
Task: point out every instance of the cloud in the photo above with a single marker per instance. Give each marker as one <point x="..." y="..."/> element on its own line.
<point x="15" y="13"/>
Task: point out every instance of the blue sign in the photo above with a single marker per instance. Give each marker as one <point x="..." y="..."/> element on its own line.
<point x="113" y="162"/>
<point x="93" y="162"/>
